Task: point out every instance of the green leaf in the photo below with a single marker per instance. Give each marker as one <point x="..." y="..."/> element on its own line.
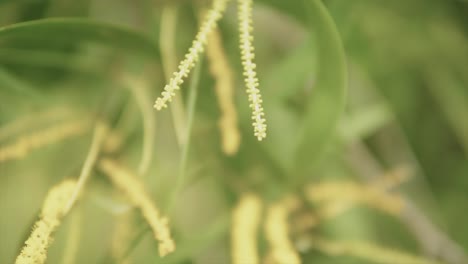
<point x="364" y="121"/>
<point x="48" y="59"/>
<point x="198" y="242"/>
<point x="327" y="99"/>
<point x="12" y="83"/>
<point x="448" y="92"/>
<point x="65" y="31"/>
<point x="284" y="92"/>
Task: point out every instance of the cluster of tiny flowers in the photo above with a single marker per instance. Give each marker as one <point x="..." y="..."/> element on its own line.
<point x="277" y="232"/>
<point x="35" y="248"/>
<point x="247" y="56"/>
<point x="353" y="193"/>
<point x="222" y="73"/>
<point x="139" y="197"/>
<point x="246" y="218"/>
<point x="250" y="75"/>
<point x="215" y="14"/>
<point x="25" y="144"/>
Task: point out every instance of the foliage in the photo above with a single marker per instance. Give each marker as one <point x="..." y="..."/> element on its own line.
<point x="363" y="158"/>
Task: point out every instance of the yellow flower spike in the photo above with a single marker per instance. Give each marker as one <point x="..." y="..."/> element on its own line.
<point x="343" y="194"/>
<point x="245" y="222"/>
<point x="282" y="250"/>
<point x="53" y="210"/>
<point x="22" y="123"/>
<point x="135" y="191"/>
<point x="221" y="71"/>
<point x="27" y="143"/>
<point x="210" y="22"/>
<point x="250" y="75"/>
<point x="392" y="178"/>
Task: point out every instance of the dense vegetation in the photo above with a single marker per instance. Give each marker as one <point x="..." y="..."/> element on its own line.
<point x="365" y="158"/>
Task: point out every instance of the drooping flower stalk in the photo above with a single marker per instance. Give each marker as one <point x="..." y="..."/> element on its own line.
<point x="342" y="195"/>
<point x="245" y="222"/>
<point x="282" y="250"/>
<point x="191" y="58"/>
<point x="136" y="193"/>
<point x="222" y="72"/>
<point x="27" y="143"/>
<point x="53" y="210"/>
<point x="250" y="74"/>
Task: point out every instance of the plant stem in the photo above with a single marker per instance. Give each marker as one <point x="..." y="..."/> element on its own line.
<point x="191" y="105"/>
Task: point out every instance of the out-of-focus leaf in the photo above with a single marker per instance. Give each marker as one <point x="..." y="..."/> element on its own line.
<point x="10" y="82"/>
<point x="449" y="94"/>
<point x="364" y="122"/>
<point x="283" y="85"/>
<point x="44" y="59"/>
<point x="60" y="31"/>
<point x="328" y="96"/>
<point x="198" y="242"/>
<point x="326" y="100"/>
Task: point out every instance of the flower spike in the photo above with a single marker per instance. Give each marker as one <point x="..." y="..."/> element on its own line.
<point x="250" y="75"/>
<point x="138" y="196"/>
<point x="53" y="210"/>
<point x="245" y="222"/>
<point x="185" y="66"/>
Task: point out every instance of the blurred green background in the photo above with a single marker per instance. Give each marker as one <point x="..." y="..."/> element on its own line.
<point x="405" y="106"/>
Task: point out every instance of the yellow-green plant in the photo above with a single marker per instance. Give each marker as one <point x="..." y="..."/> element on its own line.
<point x="52" y="213"/>
<point x="136" y="193"/>
<point x="247" y="55"/>
<point x="222" y="72"/>
<point x="187" y="188"/>
<point x="250" y="74"/>
<point x="191" y="58"/>
<point x="282" y="250"/>
<point x="245" y="224"/>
